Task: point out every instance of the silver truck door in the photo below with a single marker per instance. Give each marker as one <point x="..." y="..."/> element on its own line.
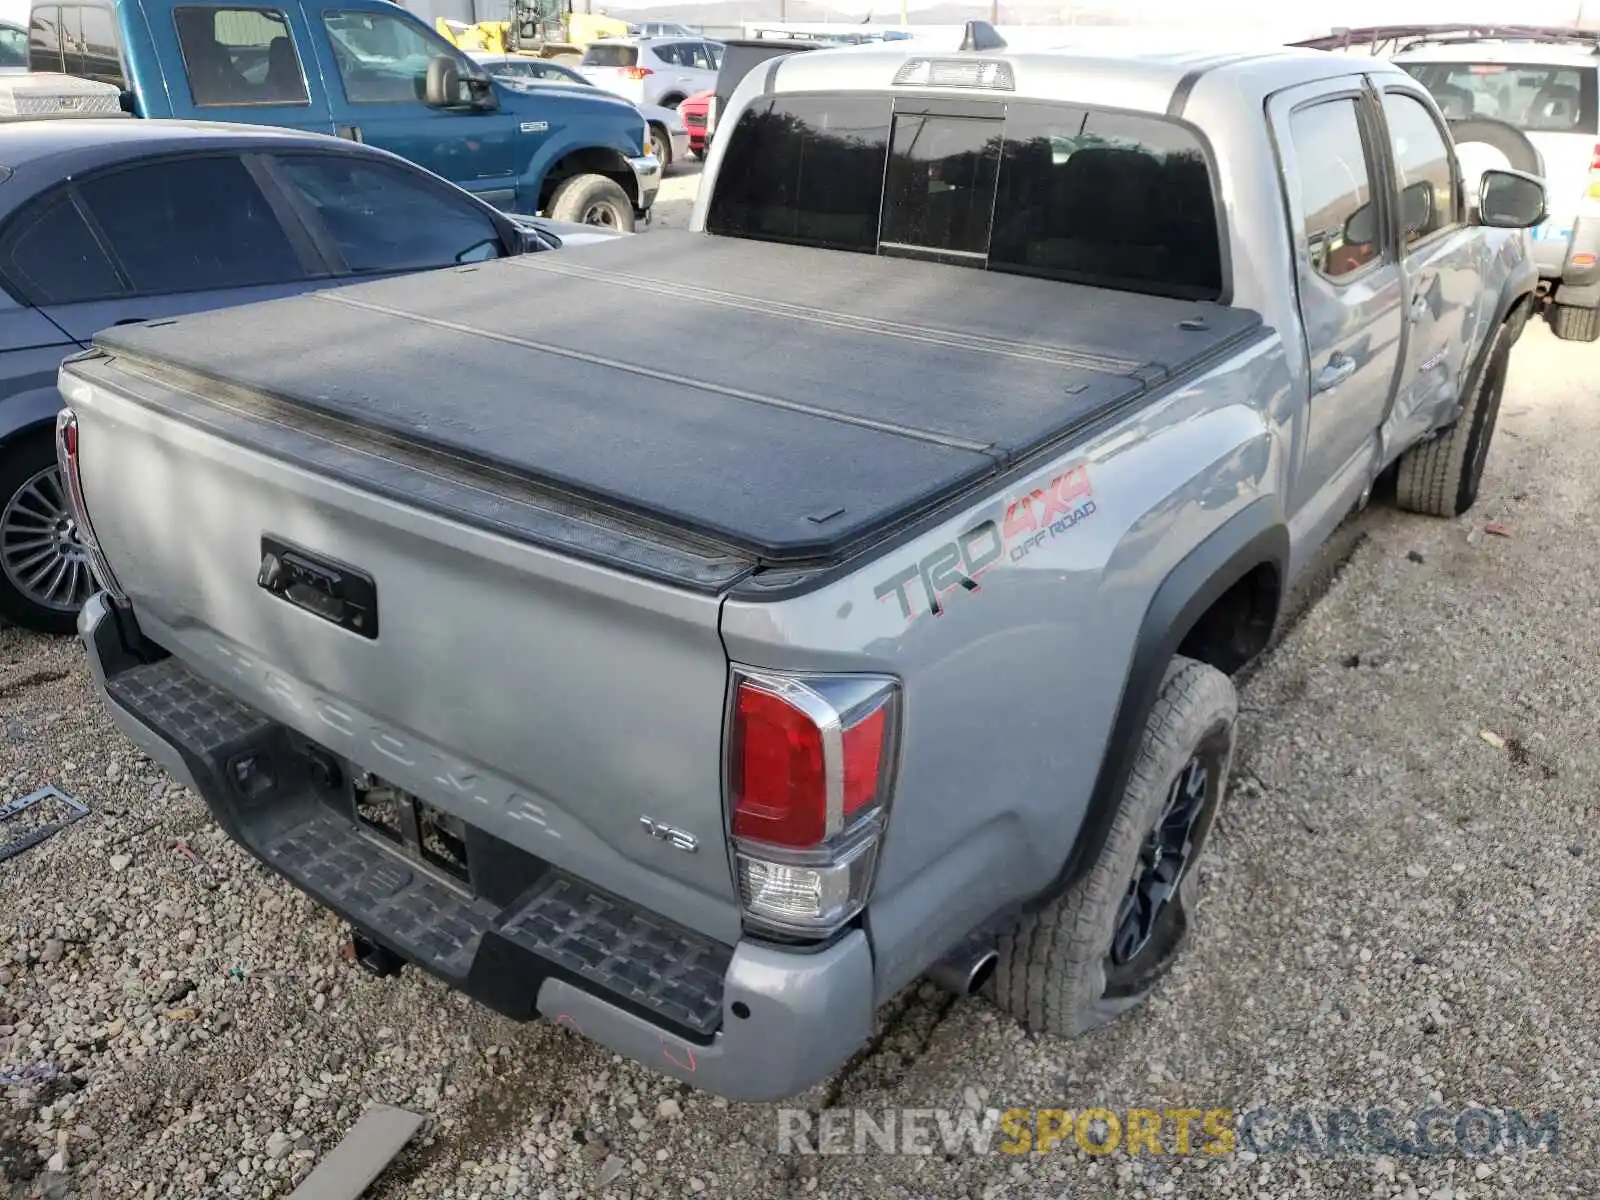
<point x="1443" y="262"/>
<point x="1349" y="287"/>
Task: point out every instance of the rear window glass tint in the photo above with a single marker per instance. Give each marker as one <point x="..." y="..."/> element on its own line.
<point x="55" y="258"/>
<point x="190" y="225"/>
<point x="812" y="172"/>
<point x="610" y="56"/>
<point x="1111" y="199"/>
<point x="1536" y="98"/>
<point x="239" y="56"/>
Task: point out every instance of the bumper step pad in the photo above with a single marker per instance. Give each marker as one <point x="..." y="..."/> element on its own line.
<point x="561" y="926"/>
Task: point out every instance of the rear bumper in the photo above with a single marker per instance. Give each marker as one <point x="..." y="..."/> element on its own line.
<point x="749" y="1022"/>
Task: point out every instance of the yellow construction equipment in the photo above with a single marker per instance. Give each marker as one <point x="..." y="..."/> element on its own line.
<point x="538" y="29"/>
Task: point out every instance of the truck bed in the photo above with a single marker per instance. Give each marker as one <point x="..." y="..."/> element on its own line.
<point x="781" y="404"/>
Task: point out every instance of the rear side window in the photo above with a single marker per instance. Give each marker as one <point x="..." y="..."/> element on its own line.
<point x="54" y="258"/>
<point x="13" y="47"/>
<point x="1110" y="199"/>
<point x="610" y="56"/>
<point x="239" y="56"/>
<point x="385" y="219"/>
<point x="102" y="52"/>
<point x="189" y="225"/>
<point x="1535" y="98"/>
<point x="1341" y="226"/>
<point x="44" y="39"/>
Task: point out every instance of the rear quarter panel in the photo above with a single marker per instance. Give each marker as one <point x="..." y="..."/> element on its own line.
<point x="1011" y="688"/>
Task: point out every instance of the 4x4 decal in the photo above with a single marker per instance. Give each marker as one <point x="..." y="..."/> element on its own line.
<point x="1035" y="517"/>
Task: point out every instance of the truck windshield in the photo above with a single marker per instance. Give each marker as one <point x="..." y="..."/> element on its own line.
<point x="1535" y="98"/>
<point x="1084" y="195"/>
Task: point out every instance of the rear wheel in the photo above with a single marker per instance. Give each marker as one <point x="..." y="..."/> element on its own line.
<point x="593" y="200"/>
<point x="44" y="569"/>
<point x="661" y="144"/>
<point x="1573" y="324"/>
<point x="1098" y="951"/>
<point x="1441" y="477"/>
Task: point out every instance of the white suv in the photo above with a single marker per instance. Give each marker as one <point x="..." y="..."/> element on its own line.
<point x="652" y="70"/>
<point x="1531" y="101"/>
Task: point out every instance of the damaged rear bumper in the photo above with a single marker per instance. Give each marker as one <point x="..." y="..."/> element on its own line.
<point x="748" y="1021"/>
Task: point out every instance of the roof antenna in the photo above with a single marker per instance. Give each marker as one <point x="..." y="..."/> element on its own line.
<point x="980" y="35"/>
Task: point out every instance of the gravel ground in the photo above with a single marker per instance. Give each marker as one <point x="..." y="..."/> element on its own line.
<point x="1397" y="914"/>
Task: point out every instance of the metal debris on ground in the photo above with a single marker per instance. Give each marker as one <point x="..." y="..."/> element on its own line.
<point x="39" y="1072"/>
<point x="369" y="1147"/>
<point x="74" y="810"/>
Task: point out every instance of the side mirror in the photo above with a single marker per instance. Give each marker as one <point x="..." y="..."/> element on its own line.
<point x="1361" y="226"/>
<point x="446" y="87"/>
<point x="1416" y="209"/>
<point x="1510" y="200"/>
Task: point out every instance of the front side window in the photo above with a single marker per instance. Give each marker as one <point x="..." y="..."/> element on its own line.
<point x="239" y="56"/>
<point x="383" y="59"/>
<point x="190" y="225"/>
<point x="53" y="257"/>
<point x="1071" y="193"/>
<point x="1422" y="162"/>
<point x="1341" y="226"/>
<point x="383" y="218"/>
<point x="1536" y="98"/>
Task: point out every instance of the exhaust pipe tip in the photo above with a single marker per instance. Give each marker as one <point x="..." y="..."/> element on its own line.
<point x="965" y="972"/>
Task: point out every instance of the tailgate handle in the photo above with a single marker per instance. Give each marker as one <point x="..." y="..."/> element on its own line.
<point x="340" y="594"/>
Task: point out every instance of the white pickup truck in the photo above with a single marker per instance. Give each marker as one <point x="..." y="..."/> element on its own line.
<point x="704" y="708"/>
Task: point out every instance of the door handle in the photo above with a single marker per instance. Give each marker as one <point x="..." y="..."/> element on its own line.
<point x="1340" y="368"/>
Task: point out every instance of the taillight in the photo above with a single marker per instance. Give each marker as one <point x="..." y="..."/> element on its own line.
<point x="810" y="773"/>
<point x="1594" y="172"/>
<point x="67" y="459"/>
<point x="636" y="72"/>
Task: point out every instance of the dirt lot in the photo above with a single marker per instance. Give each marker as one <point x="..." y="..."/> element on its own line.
<point x="1399" y="914"/>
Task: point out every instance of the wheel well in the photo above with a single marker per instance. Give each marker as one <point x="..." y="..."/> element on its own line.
<point x="1238" y="624"/>
<point x="672" y="100"/>
<point x="591" y="160"/>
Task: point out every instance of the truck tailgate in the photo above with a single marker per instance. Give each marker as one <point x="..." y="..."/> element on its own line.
<point x="786" y="403"/>
<point x="550" y="701"/>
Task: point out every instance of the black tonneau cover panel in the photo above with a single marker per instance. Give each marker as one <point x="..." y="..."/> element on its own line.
<point x="788" y="402"/>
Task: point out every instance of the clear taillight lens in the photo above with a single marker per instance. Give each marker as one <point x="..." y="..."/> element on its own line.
<point x="67" y="459"/>
<point x="810" y="774"/>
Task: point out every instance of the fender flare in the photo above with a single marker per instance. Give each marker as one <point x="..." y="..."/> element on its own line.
<point x="25" y="412"/>
<point x="1513" y="308"/>
<point x="1254" y="537"/>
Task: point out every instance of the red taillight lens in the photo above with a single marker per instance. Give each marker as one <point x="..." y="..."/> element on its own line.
<point x="863" y="759"/>
<point x="636" y="72"/>
<point x="72" y="480"/>
<point x="1594" y="159"/>
<point x="808" y="756"/>
<point x="780" y="789"/>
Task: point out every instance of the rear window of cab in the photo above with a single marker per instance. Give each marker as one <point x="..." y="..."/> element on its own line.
<point x="1113" y="199"/>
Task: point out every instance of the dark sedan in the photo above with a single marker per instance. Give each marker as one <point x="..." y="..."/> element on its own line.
<point x="103" y="222"/>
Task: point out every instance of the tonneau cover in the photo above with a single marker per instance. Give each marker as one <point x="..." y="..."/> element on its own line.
<point x="786" y="401"/>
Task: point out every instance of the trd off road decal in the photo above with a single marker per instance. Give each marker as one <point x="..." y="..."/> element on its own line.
<point x="1032" y="519"/>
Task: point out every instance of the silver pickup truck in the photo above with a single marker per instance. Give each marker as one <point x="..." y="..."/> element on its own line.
<point x="870" y="611"/>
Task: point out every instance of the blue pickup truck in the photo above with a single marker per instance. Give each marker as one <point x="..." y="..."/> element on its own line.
<point x="367" y="70"/>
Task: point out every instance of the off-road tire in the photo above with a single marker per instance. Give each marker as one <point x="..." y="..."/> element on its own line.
<point x="1441" y="476"/>
<point x="1573" y="324"/>
<point x="1055" y="973"/>
<point x="582" y="197"/>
